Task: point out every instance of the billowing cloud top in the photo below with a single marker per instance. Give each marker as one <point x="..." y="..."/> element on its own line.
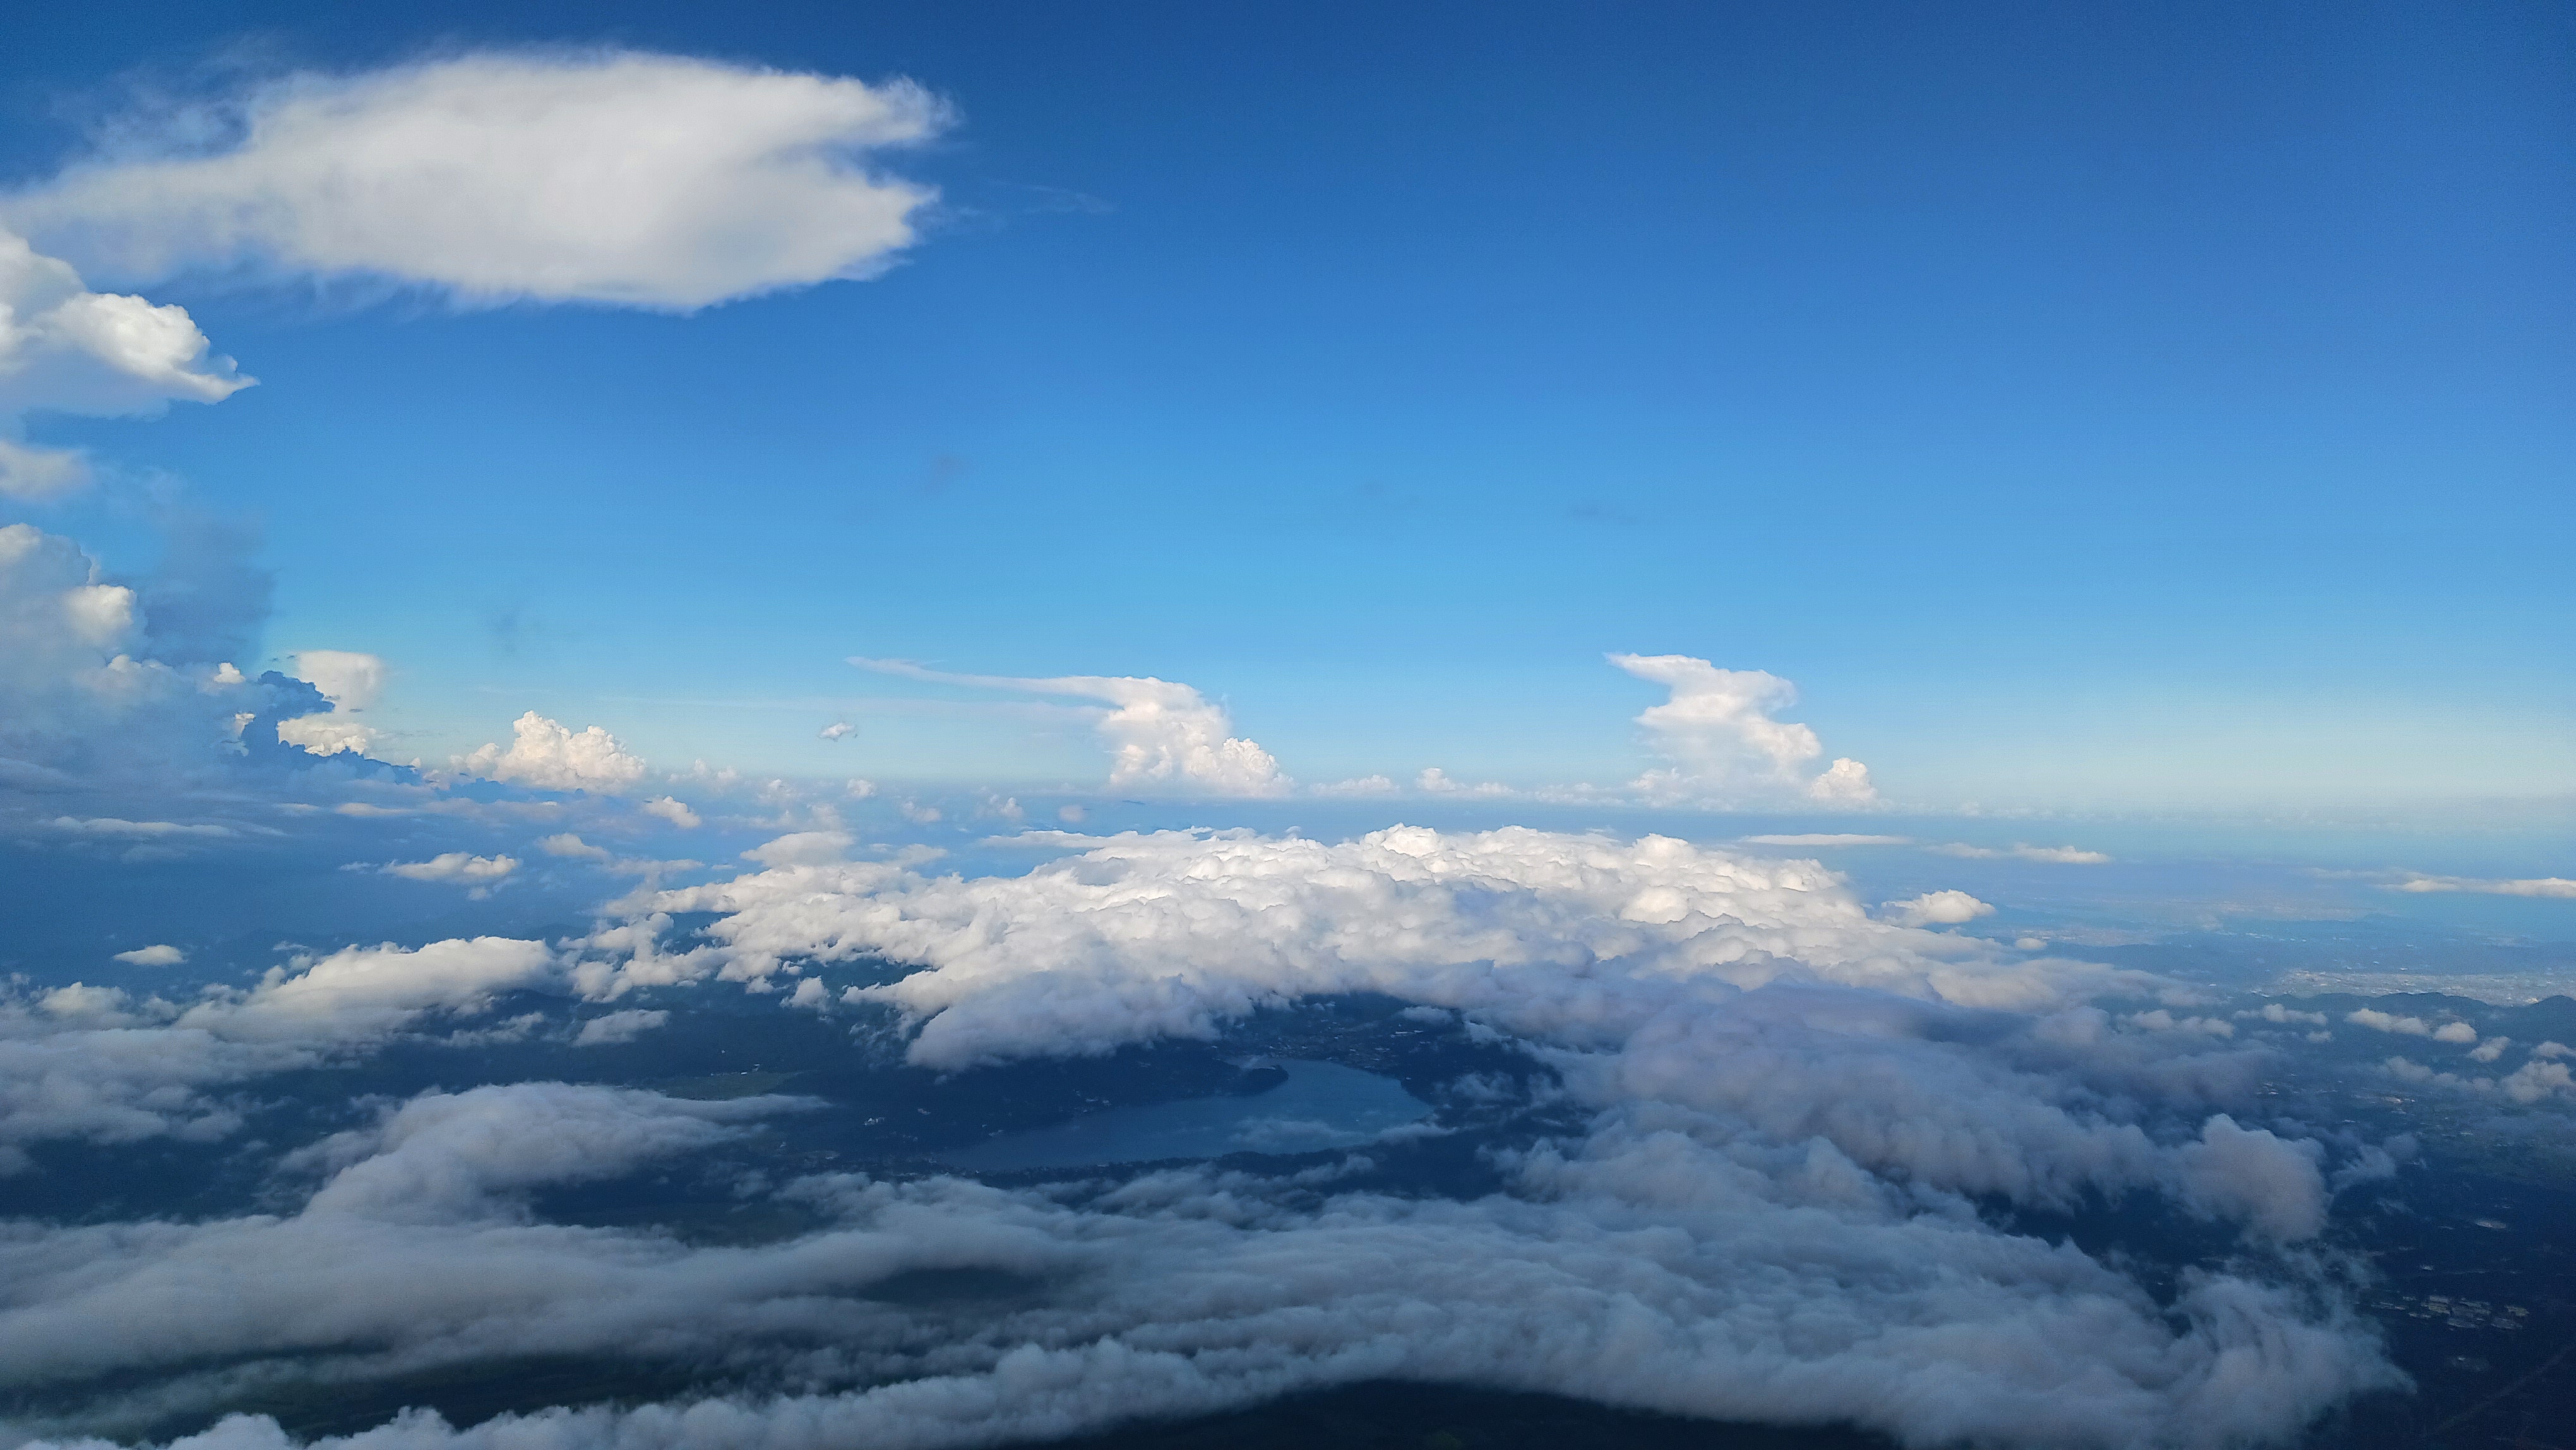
<point x="1161" y="735"/>
<point x="546" y="755"/>
<point x="65" y="348"/>
<point x="621" y="178"/>
<point x="1718" y="730"/>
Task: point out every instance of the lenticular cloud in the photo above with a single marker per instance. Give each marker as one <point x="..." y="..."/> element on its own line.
<point x="1790" y="1139"/>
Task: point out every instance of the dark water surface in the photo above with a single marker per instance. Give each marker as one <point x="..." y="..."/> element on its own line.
<point x="1318" y="1105"/>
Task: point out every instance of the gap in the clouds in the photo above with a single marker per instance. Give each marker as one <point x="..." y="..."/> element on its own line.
<point x="889" y="1119"/>
<point x="1283" y="1107"/>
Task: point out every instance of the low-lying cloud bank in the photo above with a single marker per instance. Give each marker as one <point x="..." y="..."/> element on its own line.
<point x="1795" y="1120"/>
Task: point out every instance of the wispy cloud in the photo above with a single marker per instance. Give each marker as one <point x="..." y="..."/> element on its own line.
<point x="2059" y="855"/>
<point x="2558" y="886"/>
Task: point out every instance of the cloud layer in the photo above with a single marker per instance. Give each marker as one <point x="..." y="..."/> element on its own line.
<point x="1779" y="1113"/>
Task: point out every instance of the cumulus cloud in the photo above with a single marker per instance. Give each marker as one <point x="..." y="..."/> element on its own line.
<point x="1936" y="908"/>
<point x="454" y="866"/>
<point x="1719" y="730"/>
<point x="346" y="678"/>
<point x="159" y="955"/>
<point x="837" y="730"/>
<point x="2536" y="1080"/>
<point x="2378" y="1021"/>
<point x="2161" y="1020"/>
<point x="672" y="810"/>
<point x="803" y="848"/>
<point x="613" y="1028"/>
<point x="2279" y="1015"/>
<point x="1366" y="785"/>
<point x="96" y="1064"/>
<point x="1161" y="735"/>
<point x="565" y="843"/>
<point x="98" y="685"/>
<point x="2558" y="886"/>
<point x="330" y="733"/>
<point x="609" y="177"/>
<point x="548" y="756"/>
<point x="65" y="348"/>
<point x="1435" y="781"/>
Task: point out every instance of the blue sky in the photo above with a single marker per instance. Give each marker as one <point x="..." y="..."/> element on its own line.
<point x="2154" y="409"/>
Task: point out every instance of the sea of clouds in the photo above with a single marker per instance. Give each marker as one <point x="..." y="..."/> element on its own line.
<point x="1799" y="1121"/>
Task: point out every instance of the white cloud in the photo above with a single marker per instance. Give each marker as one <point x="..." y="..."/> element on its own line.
<point x="346" y="678"/>
<point x="358" y="993"/>
<point x="1161" y="735"/>
<point x="143" y="830"/>
<point x="1435" y="781"/>
<point x="1785" y="1290"/>
<point x="2270" y="1182"/>
<point x="454" y="866"/>
<point x="39" y="473"/>
<point x="93" y="1064"/>
<point x="2279" y="1015"/>
<point x="672" y="810"/>
<point x="2378" y="1021"/>
<point x="1366" y="785"/>
<point x="2060" y="855"/>
<point x="153" y="956"/>
<point x="547" y="756"/>
<point x="568" y="844"/>
<point x="614" y="1028"/>
<point x="2535" y="1080"/>
<point x="1825" y="838"/>
<point x="837" y="730"/>
<point x="612" y="177"/>
<point x="1845" y="781"/>
<point x="802" y="848"/>
<point x="1718" y="730"/>
<point x="330" y="733"/>
<point x="2557" y="886"/>
<point x="1936" y="908"/>
<point x="1141" y="936"/>
<point x="64" y="348"/>
<point x="2161" y="1020"/>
